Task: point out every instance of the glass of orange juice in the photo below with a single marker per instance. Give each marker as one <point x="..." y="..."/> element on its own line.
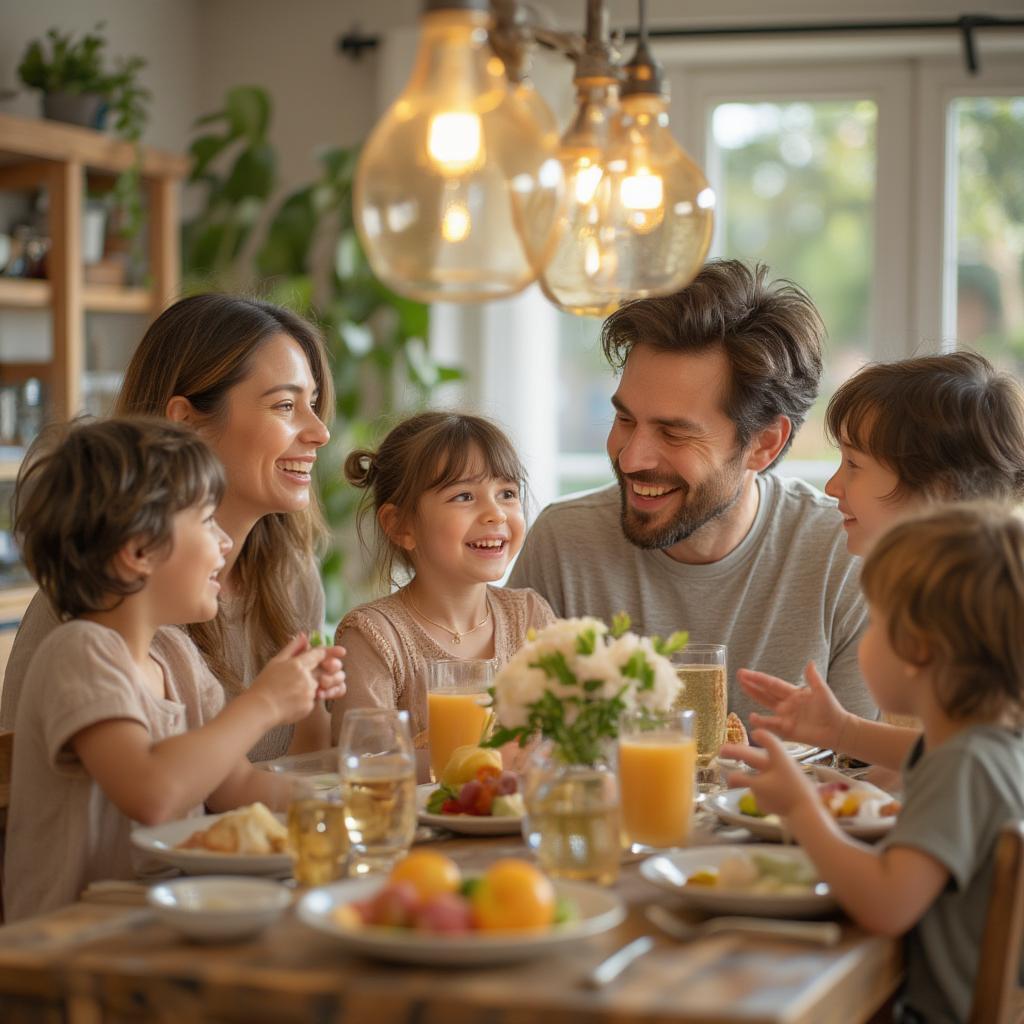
<point x="657" y="765"/>
<point x="458" y="709"/>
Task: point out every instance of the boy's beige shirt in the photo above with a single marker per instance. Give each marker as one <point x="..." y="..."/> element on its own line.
<point x="40" y="619"/>
<point x="63" y="832"/>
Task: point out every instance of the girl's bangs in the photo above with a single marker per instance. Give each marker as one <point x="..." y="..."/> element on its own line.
<point x="457" y="449"/>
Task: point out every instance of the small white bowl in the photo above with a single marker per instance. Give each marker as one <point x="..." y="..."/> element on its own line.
<point x="219" y="908"/>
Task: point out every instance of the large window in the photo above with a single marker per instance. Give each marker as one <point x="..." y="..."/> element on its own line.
<point x="987" y="172"/>
<point x="889" y="187"/>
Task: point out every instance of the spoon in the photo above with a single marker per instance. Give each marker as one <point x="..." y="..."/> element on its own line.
<point x="820" y="933"/>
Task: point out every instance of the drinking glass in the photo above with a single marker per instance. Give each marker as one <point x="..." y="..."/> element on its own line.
<point x="657" y="763"/>
<point x="457" y="707"/>
<point x="701" y="669"/>
<point x="317" y="833"/>
<point x="377" y="767"/>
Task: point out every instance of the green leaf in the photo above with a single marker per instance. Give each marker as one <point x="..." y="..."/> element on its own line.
<point x="638" y="667"/>
<point x="248" y="111"/>
<point x="252" y="174"/>
<point x="676" y="642"/>
<point x="555" y="666"/>
<point x="203" y="150"/>
<point x="620" y="625"/>
<point x="586" y="642"/>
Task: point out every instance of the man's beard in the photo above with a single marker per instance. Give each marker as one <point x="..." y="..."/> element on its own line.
<point x="709" y="500"/>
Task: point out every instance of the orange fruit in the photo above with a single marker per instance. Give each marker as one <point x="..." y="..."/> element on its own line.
<point x="513" y="894"/>
<point x="429" y="872"/>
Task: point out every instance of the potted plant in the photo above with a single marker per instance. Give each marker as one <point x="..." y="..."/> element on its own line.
<point x="78" y="88"/>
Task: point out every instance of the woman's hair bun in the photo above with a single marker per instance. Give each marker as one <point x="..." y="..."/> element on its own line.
<point x="360" y="468"/>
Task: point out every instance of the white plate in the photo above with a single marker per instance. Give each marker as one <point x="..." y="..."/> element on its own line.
<point x="798" y="751"/>
<point x="160" y="841"/>
<point x="219" y="909"/>
<point x="670" y="871"/>
<point x="467" y="824"/>
<point x="598" y="911"/>
<point x="726" y="806"/>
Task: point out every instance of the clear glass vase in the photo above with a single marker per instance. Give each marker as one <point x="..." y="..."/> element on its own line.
<point x="572" y="819"/>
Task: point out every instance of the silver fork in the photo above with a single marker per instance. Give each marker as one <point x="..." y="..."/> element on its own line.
<point x="820" y="933"/>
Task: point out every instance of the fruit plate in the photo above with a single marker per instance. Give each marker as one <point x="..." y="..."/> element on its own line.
<point x="467" y="824"/>
<point x="598" y="911"/>
<point x="671" y="870"/>
<point x="159" y="842"/>
<point x="861" y="826"/>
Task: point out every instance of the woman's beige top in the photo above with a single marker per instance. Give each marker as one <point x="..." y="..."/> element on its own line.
<point x="40" y="620"/>
<point x="387" y="651"/>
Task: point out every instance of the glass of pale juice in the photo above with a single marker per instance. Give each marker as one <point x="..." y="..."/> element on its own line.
<point x="317" y="834"/>
<point x="377" y="768"/>
<point x="458" y="709"/>
<point x="705" y="690"/>
<point x="657" y="764"/>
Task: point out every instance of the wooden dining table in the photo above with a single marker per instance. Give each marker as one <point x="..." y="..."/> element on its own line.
<point x="93" y="962"/>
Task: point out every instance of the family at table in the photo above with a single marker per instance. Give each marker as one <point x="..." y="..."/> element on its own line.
<point x="175" y="550"/>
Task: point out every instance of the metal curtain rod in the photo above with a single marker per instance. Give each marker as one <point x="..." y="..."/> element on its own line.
<point x="353" y="43"/>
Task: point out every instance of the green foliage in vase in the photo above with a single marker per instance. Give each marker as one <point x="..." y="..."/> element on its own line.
<point x="301" y="251"/>
<point x="62" y="63"/>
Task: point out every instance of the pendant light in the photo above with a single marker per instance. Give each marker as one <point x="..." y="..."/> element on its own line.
<point x="660" y="211"/>
<point x="578" y="278"/>
<point x="458" y="191"/>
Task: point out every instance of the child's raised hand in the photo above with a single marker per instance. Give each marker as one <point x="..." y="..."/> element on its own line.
<point x="807" y="714"/>
<point x="288" y="682"/>
<point x="779" y="784"/>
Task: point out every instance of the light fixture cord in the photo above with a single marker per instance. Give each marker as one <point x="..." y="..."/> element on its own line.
<point x="642" y="4"/>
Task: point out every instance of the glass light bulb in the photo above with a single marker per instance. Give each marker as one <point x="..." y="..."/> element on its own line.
<point x="458" y="188"/>
<point x="660" y="209"/>
<point x="578" y="277"/>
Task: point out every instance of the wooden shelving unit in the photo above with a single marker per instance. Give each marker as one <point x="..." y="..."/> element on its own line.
<point x="58" y="157"/>
<point x="47" y="154"/>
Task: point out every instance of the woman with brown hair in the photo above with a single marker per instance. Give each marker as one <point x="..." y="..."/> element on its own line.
<point x="253" y="380"/>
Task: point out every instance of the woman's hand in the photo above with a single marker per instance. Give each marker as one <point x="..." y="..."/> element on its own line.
<point x="779" y="784"/>
<point x="329" y="674"/>
<point x="807" y="714"/>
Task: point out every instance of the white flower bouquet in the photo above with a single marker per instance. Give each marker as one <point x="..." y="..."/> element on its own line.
<point x="571" y="681"/>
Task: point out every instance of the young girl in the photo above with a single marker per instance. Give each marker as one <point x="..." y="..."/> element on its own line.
<point x="911" y="433"/>
<point x="121" y="720"/>
<point x="447" y="494"/>
<point x="946" y="601"/>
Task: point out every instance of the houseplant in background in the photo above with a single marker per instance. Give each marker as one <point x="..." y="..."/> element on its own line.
<point x="79" y="88"/>
<point x="302" y="251"/>
<point x="569" y="684"/>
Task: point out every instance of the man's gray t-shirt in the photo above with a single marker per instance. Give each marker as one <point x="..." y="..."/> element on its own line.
<point x="956" y="799"/>
<point x="788" y="593"/>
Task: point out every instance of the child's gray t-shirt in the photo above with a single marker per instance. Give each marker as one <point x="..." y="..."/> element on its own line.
<point x="956" y="800"/>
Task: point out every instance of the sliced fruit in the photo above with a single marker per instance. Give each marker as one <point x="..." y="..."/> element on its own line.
<point x="748" y="805"/>
<point x="464" y="762"/>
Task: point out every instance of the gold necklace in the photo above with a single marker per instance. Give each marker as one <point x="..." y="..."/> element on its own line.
<point x="455" y="634"/>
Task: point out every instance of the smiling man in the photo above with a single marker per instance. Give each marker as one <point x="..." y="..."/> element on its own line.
<point x="698" y="533"/>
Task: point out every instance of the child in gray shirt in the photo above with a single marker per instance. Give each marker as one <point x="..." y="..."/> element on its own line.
<point x="946" y="607"/>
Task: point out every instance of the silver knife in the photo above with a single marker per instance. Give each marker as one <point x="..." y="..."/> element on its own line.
<point x="611" y="967"/>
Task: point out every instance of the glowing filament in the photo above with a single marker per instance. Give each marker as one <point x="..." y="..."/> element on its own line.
<point x="454" y="142"/>
<point x="456" y="222"/>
